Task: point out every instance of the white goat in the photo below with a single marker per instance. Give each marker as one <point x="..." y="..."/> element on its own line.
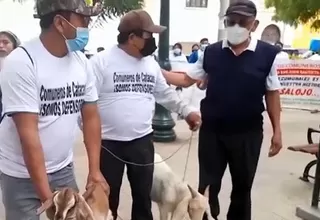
<point x="67" y="204"/>
<point x="174" y="197"/>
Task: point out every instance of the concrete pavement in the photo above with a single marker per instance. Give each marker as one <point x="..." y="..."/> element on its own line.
<point x="277" y="190"/>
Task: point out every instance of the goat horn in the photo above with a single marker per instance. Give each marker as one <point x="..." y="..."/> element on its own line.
<point x="193" y="192"/>
<point x="206" y="192"/>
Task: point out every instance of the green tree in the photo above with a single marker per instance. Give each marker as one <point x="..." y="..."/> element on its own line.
<point x="112" y="8"/>
<point x="295" y="12"/>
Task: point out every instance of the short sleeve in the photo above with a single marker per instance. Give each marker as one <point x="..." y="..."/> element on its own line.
<point x="91" y="94"/>
<point x="196" y="71"/>
<point x="97" y="69"/>
<point x="272" y="81"/>
<point x="19" y="85"/>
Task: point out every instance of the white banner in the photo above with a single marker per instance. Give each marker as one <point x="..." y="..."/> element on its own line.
<point x="300" y="81"/>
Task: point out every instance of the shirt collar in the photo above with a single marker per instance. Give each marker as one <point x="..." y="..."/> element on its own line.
<point x="252" y="45"/>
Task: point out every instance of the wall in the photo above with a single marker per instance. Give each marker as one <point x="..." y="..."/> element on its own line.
<point x="18" y="18"/>
<point x="188" y="24"/>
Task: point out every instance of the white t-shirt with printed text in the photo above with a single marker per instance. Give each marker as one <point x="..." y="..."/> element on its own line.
<point x="128" y="88"/>
<point x="55" y="89"/>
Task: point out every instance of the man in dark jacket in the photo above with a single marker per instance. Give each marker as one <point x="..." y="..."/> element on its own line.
<point x="239" y="72"/>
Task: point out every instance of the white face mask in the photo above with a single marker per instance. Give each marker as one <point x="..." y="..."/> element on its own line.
<point x="203" y="46"/>
<point x="177" y="51"/>
<point x="237" y="35"/>
<point x="270" y="42"/>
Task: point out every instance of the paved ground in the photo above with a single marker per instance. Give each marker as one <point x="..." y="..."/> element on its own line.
<point x="277" y="190"/>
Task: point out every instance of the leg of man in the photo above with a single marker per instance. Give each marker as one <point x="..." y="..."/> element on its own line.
<point x="112" y="169"/>
<point x="63" y="178"/>
<point x="212" y="165"/>
<point x="19" y="198"/>
<point x="140" y="151"/>
<point x="244" y="152"/>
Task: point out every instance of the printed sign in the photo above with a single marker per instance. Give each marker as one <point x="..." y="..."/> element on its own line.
<point x="300" y="81"/>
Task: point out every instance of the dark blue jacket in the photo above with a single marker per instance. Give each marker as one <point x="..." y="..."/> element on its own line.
<point x="193" y="57"/>
<point x="236" y="86"/>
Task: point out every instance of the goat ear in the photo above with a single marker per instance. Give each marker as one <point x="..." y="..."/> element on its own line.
<point x="181" y="210"/>
<point x="46" y="205"/>
<point x="88" y="192"/>
<point x="193" y="192"/>
<point x="206" y="192"/>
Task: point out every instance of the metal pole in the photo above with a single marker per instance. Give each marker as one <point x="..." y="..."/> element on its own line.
<point x="162" y="122"/>
<point x="223" y="7"/>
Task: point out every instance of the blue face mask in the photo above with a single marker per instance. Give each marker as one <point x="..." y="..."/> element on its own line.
<point x="80" y="41"/>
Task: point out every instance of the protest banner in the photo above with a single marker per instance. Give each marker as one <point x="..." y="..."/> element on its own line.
<point x="300" y="84"/>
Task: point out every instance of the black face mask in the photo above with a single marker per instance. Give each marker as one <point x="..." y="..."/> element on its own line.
<point x="149" y="47"/>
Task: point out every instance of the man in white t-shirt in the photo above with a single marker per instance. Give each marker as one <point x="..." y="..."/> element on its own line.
<point x="129" y="81"/>
<point x="46" y="84"/>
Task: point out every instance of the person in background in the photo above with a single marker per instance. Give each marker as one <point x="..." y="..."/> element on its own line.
<point x="177" y="59"/>
<point x="8" y="42"/>
<point x="194" y="48"/>
<point x="240" y="71"/>
<point x="281" y="54"/>
<point x="193" y="58"/>
<point x="99" y="49"/>
<point x="179" y="63"/>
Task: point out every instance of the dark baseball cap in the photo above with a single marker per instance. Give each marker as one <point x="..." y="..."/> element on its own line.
<point x="242" y="7"/>
<point x="139" y="20"/>
<point x="45" y="7"/>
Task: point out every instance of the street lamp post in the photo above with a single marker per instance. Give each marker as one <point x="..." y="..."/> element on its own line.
<point x="223" y="8"/>
<point x="163" y="122"/>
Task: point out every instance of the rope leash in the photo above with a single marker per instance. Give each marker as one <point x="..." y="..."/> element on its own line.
<point x="187" y="141"/>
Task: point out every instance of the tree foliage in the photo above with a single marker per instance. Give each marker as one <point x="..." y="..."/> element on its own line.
<point x="295" y="12"/>
<point x="116" y="8"/>
<point x="112" y="8"/>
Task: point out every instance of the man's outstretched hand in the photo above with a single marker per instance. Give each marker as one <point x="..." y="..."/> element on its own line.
<point x="194" y="121"/>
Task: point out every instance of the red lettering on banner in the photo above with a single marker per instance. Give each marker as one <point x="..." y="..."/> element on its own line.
<point x="296" y="92"/>
<point x="298" y="72"/>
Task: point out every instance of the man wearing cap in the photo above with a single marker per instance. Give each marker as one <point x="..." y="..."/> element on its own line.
<point x="239" y="71"/>
<point x="129" y="81"/>
<point x="46" y="84"/>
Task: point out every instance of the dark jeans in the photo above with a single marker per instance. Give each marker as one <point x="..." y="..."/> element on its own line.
<point x="139" y="151"/>
<point x="241" y="152"/>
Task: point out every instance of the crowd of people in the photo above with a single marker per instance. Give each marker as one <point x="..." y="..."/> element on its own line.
<point x="47" y="83"/>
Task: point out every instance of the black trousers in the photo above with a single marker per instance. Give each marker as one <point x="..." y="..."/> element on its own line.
<point x="241" y="153"/>
<point x="139" y="151"/>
